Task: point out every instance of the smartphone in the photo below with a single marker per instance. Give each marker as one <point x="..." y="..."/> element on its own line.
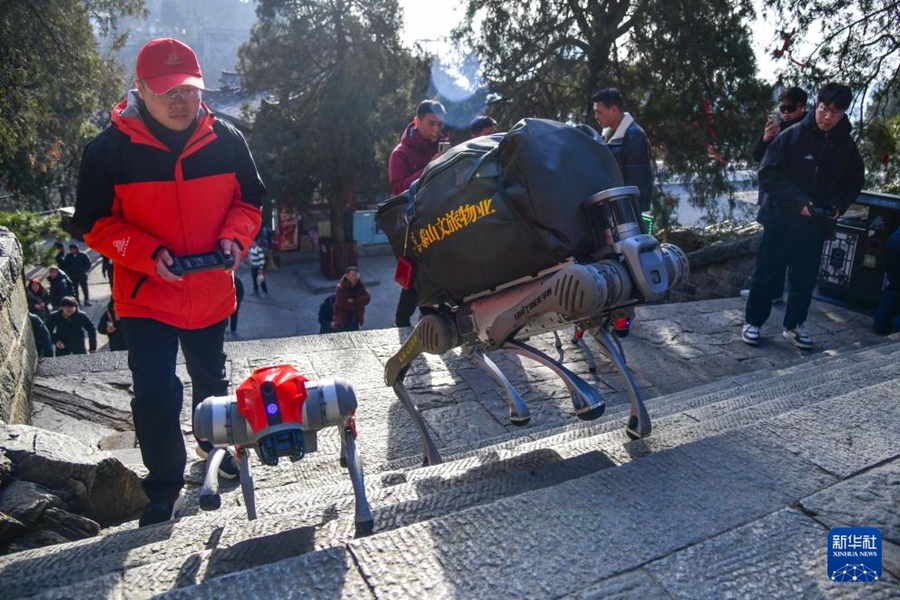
<point x="443" y="147"/>
<point x="773" y="119"/>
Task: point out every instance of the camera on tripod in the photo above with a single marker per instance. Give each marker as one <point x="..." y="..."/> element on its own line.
<point x="277" y="412"/>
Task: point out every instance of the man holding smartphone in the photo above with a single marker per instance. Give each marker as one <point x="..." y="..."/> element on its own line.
<point x="420" y="143"/>
<point x="168" y="178"/>
<point x="808" y="177"/>
<point x="792" y="106"/>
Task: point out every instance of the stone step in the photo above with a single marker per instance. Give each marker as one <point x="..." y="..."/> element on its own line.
<point x="321" y="469"/>
<point x="421" y="494"/>
<point x="753" y="385"/>
<point x="653" y="509"/>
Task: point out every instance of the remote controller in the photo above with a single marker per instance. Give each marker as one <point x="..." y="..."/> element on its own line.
<point x="204" y="261"/>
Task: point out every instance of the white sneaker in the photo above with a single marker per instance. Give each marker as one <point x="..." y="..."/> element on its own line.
<point x="750" y="334"/>
<point x="798" y="337"/>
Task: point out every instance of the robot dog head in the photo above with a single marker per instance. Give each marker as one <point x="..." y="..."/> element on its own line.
<point x="272" y="396"/>
<point x="277" y="411"/>
<point x="271" y="400"/>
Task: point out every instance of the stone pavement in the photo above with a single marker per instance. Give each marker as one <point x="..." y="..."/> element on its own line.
<point x="755" y="453"/>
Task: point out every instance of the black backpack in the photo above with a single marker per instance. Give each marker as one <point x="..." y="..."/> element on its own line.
<point x="498" y="208"/>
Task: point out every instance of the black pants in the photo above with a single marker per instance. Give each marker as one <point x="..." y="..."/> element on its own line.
<point x="158" y="393"/>
<point x="777" y="252"/>
<point x="254" y="271"/>
<point x="83" y="284"/>
<point x="406" y="306"/>
<point x="233" y="319"/>
<point x="887" y="314"/>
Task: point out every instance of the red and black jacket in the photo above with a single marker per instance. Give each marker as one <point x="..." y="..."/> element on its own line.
<point x="136" y="197"/>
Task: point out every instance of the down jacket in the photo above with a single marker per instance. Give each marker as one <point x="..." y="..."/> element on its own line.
<point x="410" y="158"/>
<point x="350" y="299"/>
<point x="136" y="197"/>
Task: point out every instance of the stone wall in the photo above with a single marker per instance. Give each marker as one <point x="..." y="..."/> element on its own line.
<point x="18" y="354"/>
<point x="719" y="271"/>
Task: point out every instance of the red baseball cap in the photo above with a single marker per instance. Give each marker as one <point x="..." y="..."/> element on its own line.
<point x="165" y="63"/>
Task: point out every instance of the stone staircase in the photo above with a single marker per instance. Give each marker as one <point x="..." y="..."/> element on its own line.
<point x="731" y="496"/>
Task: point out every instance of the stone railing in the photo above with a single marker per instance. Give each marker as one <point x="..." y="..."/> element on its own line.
<point x="719" y="271"/>
<point x="18" y="354"/>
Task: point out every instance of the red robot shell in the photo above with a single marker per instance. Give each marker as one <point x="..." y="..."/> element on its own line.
<point x="261" y="409"/>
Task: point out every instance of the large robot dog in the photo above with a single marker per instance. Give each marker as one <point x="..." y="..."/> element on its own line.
<point x="598" y="297"/>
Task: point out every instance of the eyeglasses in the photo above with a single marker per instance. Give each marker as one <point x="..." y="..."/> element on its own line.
<point x="787" y="108"/>
<point x="173" y="95"/>
<point x="829" y="112"/>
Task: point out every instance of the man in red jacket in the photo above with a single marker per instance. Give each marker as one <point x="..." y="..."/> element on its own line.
<point x="418" y="146"/>
<point x="351" y="299"/>
<point x="169" y="179"/>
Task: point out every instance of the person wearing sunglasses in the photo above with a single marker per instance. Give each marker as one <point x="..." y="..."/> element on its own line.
<point x="809" y="176"/>
<point x="792" y="109"/>
<point x="168" y="178"/>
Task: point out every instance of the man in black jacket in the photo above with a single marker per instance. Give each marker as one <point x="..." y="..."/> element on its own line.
<point x="60" y="286"/>
<point x="808" y="177"/>
<point x="76" y="265"/>
<point x="792" y="106"/>
<point x="67" y="328"/>
<point x="627" y="142"/>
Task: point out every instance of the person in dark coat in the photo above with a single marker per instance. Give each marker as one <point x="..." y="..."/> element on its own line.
<point x="60" y="286"/>
<point x="107" y="270"/>
<point x="67" y="327"/>
<point x="482" y="125"/>
<point x="76" y="266"/>
<point x="627" y="142"/>
<point x="887" y="315"/>
<point x="110" y="326"/>
<point x="351" y="298"/>
<point x="60" y="255"/>
<point x="41" y="336"/>
<point x="239" y="294"/>
<point x="326" y="314"/>
<point x="792" y="106"/>
<point x="38" y="299"/>
<point x="809" y="176"/>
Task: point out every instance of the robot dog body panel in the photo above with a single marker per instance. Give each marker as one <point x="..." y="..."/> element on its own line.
<point x="598" y="297"/>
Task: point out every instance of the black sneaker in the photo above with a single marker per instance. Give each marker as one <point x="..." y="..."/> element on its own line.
<point x="228" y="468"/>
<point x="161" y="512"/>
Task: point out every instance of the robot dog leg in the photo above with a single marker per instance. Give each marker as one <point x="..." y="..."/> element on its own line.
<point x="278" y="413"/>
<point x="586" y="401"/>
<point x="519" y="414"/>
<point x="433" y="334"/>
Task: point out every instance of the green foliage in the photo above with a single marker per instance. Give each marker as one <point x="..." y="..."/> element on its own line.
<point x="854" y="42"/>
<point x="880" y="152"/>
<point x="31" y="229"/>
<point x="851" y="41"/>
<point x="54" y="82"/>
<point x="685" y="67"/>
<point x="339" y="84"/>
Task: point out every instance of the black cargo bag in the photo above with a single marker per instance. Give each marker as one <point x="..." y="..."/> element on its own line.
<point x="498" y="208"/>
